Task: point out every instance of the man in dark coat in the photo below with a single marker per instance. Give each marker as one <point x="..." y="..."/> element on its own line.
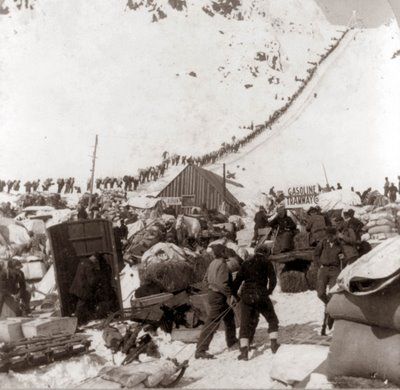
<point x="120" y="235"/>
<point x="84" y="288"/>
<point x="316" y="225"/>
<point x="18" y="286"/>
<point x="35" y="185"/>
<point x="171" y="234"/>
<point x="386" y="187"/>
<point x="285" y="228"/>
<point x="327" y="256"/>
<point x="220" y="300"/>
<point x="259" y="281"/>
<point x="347" y="240"/>
<point x="260" y="222"/>
<point x="28" y="187"/>
<point x="60" y="185"/>
<point x="392" y="191"/>
<point x="353" y="223"/>
<point x="82" y="214"/>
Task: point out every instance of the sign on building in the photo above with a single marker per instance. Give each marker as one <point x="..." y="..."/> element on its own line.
<point x="188" y="201"/>
<point x="302" y="197"/>
<point x="172" y="201"/>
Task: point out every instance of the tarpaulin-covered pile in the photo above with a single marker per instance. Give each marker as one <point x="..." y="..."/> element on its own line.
<point x="144" y="239"/>
<point x="366" y="309"/>
<point x="172" y="267"/>
<point x="14" y="238"/>
<point x="147" y="207"/>
<point x="338" y="200"/>
<point x="151" y="374"/>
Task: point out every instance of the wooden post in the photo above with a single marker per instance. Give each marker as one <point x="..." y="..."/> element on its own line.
<point x="326" y="177"/>
<point x="224" y="182"/>
<point x="92" y="171"/>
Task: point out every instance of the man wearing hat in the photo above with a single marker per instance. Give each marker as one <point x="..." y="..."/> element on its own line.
<point x="84" y="286"/>
<point x="19" y="286"/>
<point x="260" y="222"/>
<point x="220" y="301"/>
<point x="328" y="256"/>
<point x="316" y="226"/>
<point x="258" y="280"/>
<point x="285" y="228"/>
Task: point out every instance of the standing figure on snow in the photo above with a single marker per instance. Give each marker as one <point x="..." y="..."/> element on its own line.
<point x="316" y="225"/>
<point x="260" y="222"/>
<point x="221" y="301"/>
<point x="258" y="280"/>
<point x="327" y="255"/>
<point x="285" y="229"/>
<point x="386" y="187"/>
<point x="353" y="223"/>
<point x="60" y="185"/>
<point x="10" y="184"/>
<point x="28" y="187"/>
<point x="392" y="193"/>
<point x="347" y="240"/>
<point x="35" y="185"/>
<point x="84" y="288"/>
<point x="16" y="185"/>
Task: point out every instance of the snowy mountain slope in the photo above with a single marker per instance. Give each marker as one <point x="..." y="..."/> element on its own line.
<point x="351" y="126"/>
<point x="347" y="119"/>
<point x="141" y="85"/>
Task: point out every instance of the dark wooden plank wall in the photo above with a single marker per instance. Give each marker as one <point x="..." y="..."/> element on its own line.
<point x="190" y="182"/>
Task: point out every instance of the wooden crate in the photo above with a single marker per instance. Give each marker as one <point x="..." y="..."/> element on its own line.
<point x="49" y="326"/>
<point x="11" y="329"/>
<point x="186" y="335"/>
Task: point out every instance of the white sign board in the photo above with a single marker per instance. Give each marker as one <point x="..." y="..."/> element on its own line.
<point x="172" y="201"/>
<point x="302" y="197"/>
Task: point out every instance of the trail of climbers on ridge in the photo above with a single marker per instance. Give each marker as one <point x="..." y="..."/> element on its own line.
<point x="298" y="107"/>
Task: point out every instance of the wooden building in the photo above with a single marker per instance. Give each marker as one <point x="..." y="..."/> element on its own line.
<point x="196" y="186"/>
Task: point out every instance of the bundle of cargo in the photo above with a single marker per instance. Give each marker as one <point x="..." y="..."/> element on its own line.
<point x="144" y="239"/>
<point x="172" y="267"/>
<point x="33" y="267"/>
<point x="147" y="207"/>
<point x="14" y="238"/>
<point x="366" y="309"/>
<point x="161" y="373"/>
<point x="382" y="224"/>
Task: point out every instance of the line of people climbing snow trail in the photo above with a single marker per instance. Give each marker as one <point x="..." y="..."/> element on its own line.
<point x="153" y="173"/>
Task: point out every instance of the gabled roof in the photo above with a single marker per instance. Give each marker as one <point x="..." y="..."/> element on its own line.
<point x="218" y="182"/>
<point x="215" y="180"/>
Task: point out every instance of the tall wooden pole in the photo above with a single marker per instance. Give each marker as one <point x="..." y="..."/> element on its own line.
<point x="224" y="182"/>
<point x="326" y="177"/>
<point x="92" y="171"/>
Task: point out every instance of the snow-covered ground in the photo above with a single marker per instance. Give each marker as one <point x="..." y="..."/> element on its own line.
<point x="301" y="313"/>
<point x="69" y="70"/>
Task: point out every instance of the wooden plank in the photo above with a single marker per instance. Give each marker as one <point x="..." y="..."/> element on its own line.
<point x="293" y="255"/>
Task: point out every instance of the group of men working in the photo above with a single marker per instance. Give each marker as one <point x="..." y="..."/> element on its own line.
<point x="13" y="288"/>
<point x="390" y="190"/>
<point x="249" y="287"/>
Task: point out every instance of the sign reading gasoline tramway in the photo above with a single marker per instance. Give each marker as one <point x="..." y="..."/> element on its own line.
<point x="172" y="201"/>
<point x="302" y="196"/>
